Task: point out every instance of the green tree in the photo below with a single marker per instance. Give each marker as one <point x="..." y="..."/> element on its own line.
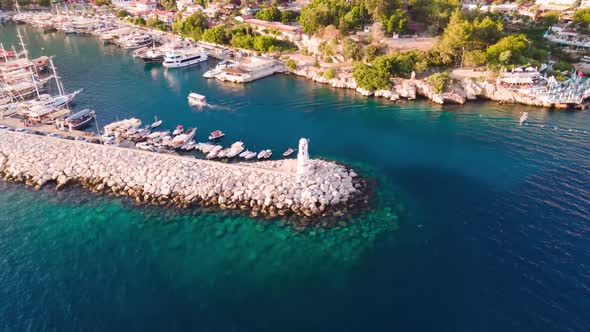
<point x="397" y="22"/>
<point x="289" y="16"/>
<point x="168" y="4"/>
<point x="510" y="50"/>
<point x="271" y="14"/>
<point x="368" y="78"/>
<point x="242" y="41"/>
<point x="438" y="81"/>
<point x="474" y="58"/>
<point x="215" y="35"/>
<point x="103" y="2"/>
<point x="582" y="16"/>
<point x="122" y="13"/>
<point x="193" y="26"/>
<point x="152" y="21"/>
<point x="329" y="74"/>
<point x="352" y="50"/>
<point x="263" y="44"/>
<point x="371" y="52"/>
<point x="291" y="64"/>
<point x="550" y="18"/>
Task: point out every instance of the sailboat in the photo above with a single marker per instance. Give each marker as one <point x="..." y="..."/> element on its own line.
<point x="156" y="123"/>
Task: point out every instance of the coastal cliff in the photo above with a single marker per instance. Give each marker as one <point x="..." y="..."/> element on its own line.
<point x="455" y="92"/>
<point x="269" y="188"/>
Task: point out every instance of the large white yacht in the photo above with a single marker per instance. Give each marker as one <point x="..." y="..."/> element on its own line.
<point x="184" y="58"/>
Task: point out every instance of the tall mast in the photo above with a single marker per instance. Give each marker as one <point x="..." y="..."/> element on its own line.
<point x="35" y="84"/>
<point x="57" y="81"/>
<point x="22" y="43"/>
<point x="3" y="50"/>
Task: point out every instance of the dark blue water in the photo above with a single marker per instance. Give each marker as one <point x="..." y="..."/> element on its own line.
<point x="481" y="224"/>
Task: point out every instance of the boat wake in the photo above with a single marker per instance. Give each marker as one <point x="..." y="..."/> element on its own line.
<point x="210" y="106"/>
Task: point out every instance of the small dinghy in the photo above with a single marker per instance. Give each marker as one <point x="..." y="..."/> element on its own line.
<point x="156" y="123"/>
<point x="288" y="152"/>
<point x="216" y="134"/>
<point x="264" y="154"/>
<point x="250" y="155"/>
<point x="179" y="130"/>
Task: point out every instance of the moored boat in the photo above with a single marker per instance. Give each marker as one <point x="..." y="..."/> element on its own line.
<point x="76" y="120"/>
<point x="179" y="130"/>
<point x="156" y="123"/>
<point x="216" y="134"/>
<point x="264" y="154"/>
<point x="184" y="58"/>
<point x="288" y="152"/>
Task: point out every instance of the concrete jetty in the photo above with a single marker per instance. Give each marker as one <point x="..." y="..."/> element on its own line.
<point x="308" y="188"/>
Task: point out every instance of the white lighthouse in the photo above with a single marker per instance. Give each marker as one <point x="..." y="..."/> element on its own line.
<point x="302" y="157"/>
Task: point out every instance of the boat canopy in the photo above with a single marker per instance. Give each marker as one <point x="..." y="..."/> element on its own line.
<point x="79" y="115"/>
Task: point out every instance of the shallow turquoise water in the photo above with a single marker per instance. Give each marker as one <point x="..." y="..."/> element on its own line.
<point x="480" y="224"/>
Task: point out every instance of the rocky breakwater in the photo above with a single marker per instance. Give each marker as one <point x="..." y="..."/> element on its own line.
<point x="270" y="188"/>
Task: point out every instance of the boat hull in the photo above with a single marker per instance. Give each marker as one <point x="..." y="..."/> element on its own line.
<point x="194" y="61"/>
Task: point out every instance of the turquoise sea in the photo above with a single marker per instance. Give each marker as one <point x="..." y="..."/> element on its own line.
<point x="479" y="224"/>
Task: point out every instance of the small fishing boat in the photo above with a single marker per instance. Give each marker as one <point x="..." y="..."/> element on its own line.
<point x="216" y="134"/>
<point x="77" y="120"/>
<point x="137" y="41"/>
<point x="523" y="117"/>
<point x="156" y="123"/>
<point x="196" y="99"/>
<point x="250" y="155"/>
<point x="244" y="154"/>
<point x="264" y="154"/>
<point x="235" y="149"/>
<point x="179" y="130"/>
<point x="206" y="148"/>
<point x="214" y="152"/>
<point x="138" y="53"/>
<point x="182" y="139"/>
<point x="188" y="146"/>
<point x="145" y="146"/>
<point x="288" y="152"/>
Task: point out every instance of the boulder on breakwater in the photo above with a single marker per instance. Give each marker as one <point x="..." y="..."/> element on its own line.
<point x="269" y="188"/>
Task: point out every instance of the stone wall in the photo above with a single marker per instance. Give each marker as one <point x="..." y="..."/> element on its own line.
<point x="267" y="188"/>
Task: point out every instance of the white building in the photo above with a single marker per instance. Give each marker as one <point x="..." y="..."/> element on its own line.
<point x="145" y="5"/>
<point x="181" y="4"/>
<point x="122" y="3"/>
<point x="563" y="3"/>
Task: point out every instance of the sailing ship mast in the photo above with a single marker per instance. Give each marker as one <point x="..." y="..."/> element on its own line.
<point x="35" y="85"/>
<point x="60" y="87"/>
<point x="4" y="51"/>
<point x="22" y="44"/>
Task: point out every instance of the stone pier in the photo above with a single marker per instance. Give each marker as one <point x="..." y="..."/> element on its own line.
<point x="270" y="188"/>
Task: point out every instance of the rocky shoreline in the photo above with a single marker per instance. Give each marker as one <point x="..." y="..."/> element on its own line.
<point x="325" y="195"/>
<point x="455" y="92"/>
